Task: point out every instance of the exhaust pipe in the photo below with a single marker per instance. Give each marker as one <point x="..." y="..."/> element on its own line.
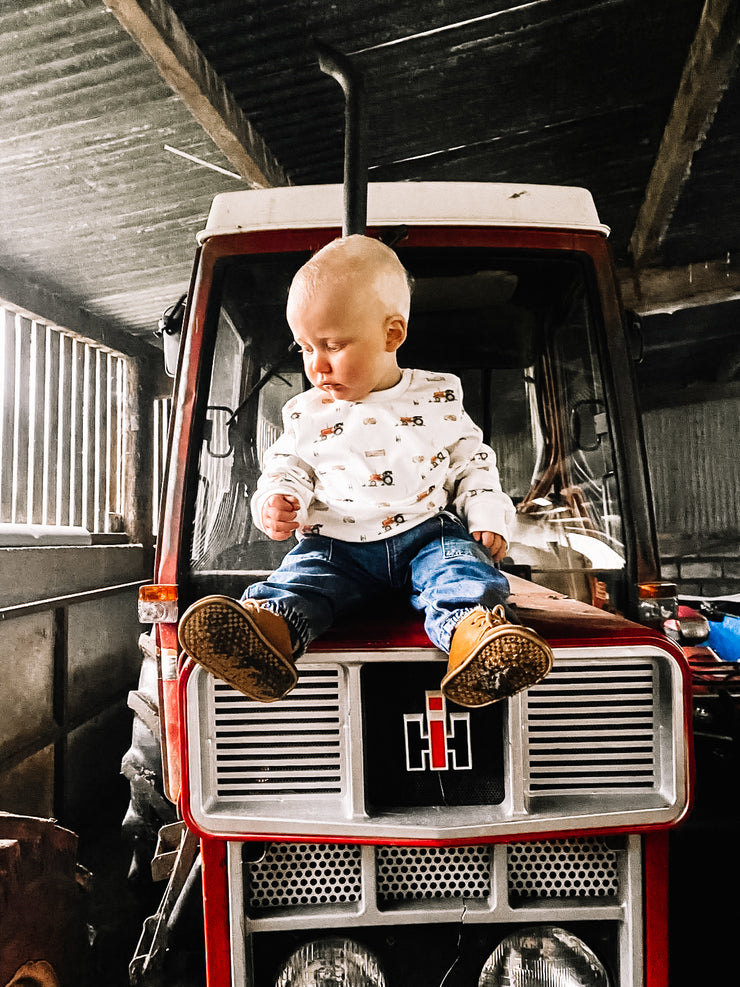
<point x="338" y="66"/>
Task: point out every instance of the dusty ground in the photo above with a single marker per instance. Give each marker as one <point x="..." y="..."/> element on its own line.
<point x="118" y="909"/>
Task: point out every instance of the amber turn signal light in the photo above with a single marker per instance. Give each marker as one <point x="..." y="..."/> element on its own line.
<point x="158" y="604"/>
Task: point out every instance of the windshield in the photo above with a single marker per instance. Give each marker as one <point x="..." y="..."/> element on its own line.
<point x="517" y="328"/>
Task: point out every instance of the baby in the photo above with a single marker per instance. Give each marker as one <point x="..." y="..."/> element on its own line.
<point x="384" y="479"/>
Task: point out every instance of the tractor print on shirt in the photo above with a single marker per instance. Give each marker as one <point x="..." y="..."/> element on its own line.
<point x="438" y="458"/>
<point x="393" y="522"/>
<point x="312" y="529"/>
<point x="479" y="490"/>
<point x="331" y="430"/>
<point x="385" y="478"/>
<point x="412" y="420"/>
<point x="448" y="395"/>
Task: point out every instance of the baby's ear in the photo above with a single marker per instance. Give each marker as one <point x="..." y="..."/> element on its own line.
<point x="395" y="332"/>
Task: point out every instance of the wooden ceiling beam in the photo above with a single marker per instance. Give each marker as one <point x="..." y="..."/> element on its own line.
<point x="654" y="289"/>
<point x="705" y="78"/>
<point x="161" y="34"/>
<point x="51" y="307"/>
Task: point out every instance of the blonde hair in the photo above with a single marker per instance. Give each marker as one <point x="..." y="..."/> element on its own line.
<point x="360" y="259"/>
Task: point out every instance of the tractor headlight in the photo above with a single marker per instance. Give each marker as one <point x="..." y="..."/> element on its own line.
<point x="331" y="963"/>
<point x="543" y="956"/>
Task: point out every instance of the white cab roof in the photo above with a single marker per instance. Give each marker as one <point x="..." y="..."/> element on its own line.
<point x="412" y="203"/>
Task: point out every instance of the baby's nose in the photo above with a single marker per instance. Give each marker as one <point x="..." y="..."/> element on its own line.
<point x="320" y="363"/>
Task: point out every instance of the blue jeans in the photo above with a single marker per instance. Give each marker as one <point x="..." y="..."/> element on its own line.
<point x="445" y="572"/>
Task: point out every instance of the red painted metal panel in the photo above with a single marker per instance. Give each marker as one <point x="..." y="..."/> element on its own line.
<point x="216" y="913"/>
<point x="656" y="909"/>
<point x="169" y="712"/>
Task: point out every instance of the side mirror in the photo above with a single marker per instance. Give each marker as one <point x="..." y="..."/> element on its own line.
<point x="690" y="628"/>
<point x="169" y="328"/>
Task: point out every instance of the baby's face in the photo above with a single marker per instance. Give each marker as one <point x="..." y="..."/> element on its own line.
<point x="348" y="341"/>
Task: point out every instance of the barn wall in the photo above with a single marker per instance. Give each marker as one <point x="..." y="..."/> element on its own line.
<point x="695" y="476"/>
<point x="68" y="658"/>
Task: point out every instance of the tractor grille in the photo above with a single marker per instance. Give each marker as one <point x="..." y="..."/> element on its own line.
<point x="568" y="868"/>
<point x="592" y="726"/>
<point x="416" y="872"/>
<point x="291" y="747"/>
<point x="599" y="743"/>
<point x="301" y="875"/>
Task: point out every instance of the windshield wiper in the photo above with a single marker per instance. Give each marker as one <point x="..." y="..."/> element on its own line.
<point x="269" y="373"/>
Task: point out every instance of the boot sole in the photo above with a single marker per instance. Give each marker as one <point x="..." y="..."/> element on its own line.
<point x="513" y="659"/>
<point x="221" y="636"/>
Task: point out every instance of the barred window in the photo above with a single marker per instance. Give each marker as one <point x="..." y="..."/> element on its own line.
<point x="62" y="404"/>
<point x="161" y="422"/>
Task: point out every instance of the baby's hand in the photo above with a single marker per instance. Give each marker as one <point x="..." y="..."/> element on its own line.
<point x="279" y="516"/>
<point x="495" y="544"/>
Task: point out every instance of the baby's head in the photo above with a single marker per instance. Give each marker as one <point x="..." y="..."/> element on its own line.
<point x="348" y="308"/>
<point x="355" y="262"/>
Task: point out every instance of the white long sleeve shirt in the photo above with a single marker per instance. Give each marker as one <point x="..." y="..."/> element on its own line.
<point x="365" y="470"/>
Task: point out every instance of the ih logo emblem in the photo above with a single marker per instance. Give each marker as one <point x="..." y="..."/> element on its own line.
<point x="436" y="742"/>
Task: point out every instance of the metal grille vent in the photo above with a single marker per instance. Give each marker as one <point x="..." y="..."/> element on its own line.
<point x="291" y="747"/>
<point x="414" y="872"/>
<point x="578" y="868"/>
<point x="293" y="874"/>
<point x="591" y="725"/>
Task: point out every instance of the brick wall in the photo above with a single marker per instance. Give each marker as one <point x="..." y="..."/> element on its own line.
<point x="709" y="569"/>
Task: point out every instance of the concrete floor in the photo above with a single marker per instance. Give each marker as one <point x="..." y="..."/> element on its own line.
<point x="117" y="909"/>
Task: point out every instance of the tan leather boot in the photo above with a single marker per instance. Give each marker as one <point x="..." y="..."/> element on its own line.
<point x="491" y="659"/>
<point x="242" y="643"/>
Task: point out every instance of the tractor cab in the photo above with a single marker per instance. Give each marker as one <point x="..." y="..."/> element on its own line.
<point x="514" y="305"/>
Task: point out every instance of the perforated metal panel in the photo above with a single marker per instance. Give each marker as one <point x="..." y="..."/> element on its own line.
<point x="578" y="868"/>
<point x="292" y="874"/>
<point x="405" y="873"/>
<point x="300" y="875"/>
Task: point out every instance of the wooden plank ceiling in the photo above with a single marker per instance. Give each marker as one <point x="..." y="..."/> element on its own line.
<point x="120" y="121"/>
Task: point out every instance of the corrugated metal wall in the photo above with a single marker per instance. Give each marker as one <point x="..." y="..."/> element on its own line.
<point x="695" y="467"/>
